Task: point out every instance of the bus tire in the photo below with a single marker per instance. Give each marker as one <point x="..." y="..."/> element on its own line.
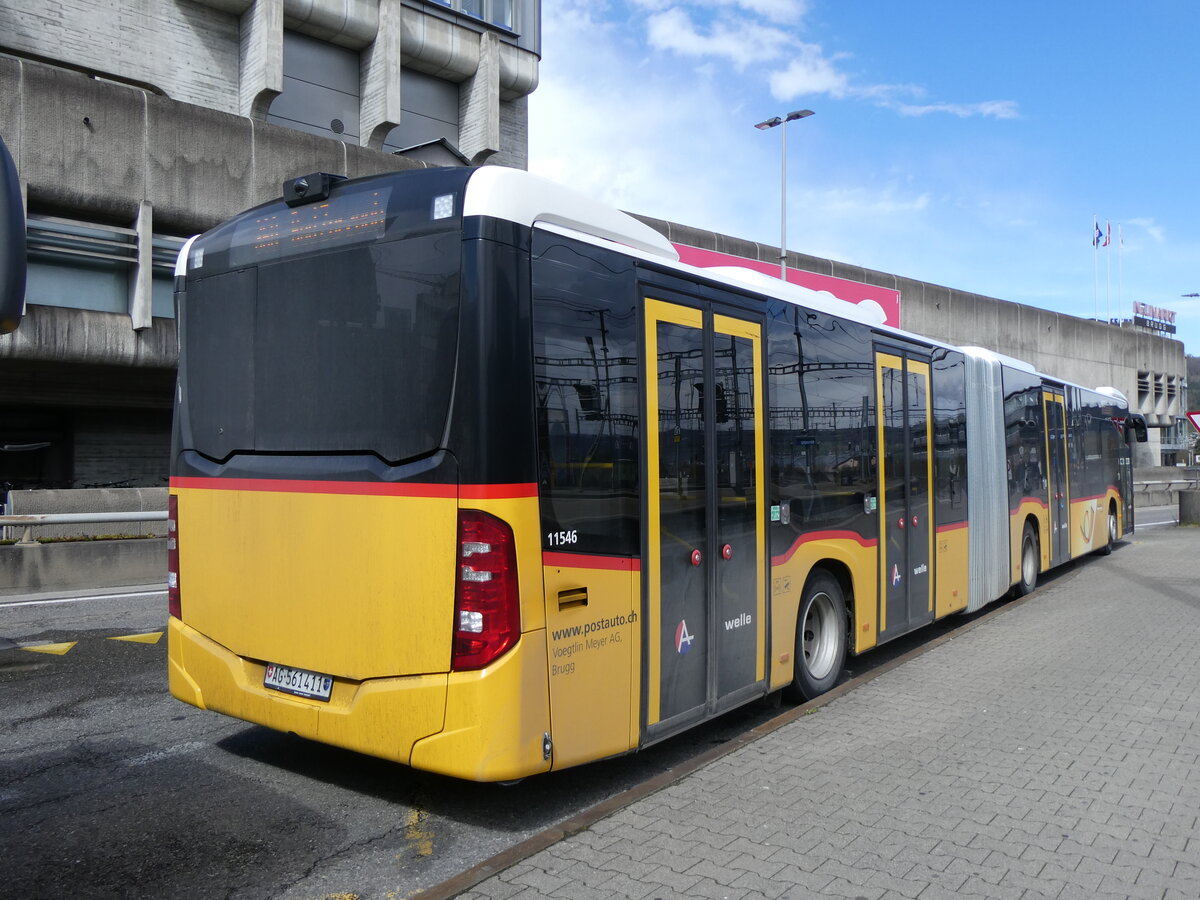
<point x="1030" y="560"/>
<point x="1112" y="532"/>
<point x="820" y="637"/>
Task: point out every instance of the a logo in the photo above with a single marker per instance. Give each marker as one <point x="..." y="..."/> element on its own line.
<point x="1087" y="522"/>
<point x="683" y="640"/>
<point x="921" y="569"/>
<point x="744" y="619"/>
<point x="895" y="574"/>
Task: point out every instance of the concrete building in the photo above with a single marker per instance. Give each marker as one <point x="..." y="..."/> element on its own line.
<point x="136" y="123"/>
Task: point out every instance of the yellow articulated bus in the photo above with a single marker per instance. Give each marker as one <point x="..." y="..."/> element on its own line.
<point x="471" y="473"/>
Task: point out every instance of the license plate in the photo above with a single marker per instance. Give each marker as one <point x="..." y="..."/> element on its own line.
<point x="300" y="682"/>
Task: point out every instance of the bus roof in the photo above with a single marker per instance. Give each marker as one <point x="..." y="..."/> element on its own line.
<point x="517" y="196"/>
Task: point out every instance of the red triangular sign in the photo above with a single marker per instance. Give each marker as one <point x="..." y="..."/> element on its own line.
<point x="1195" y="417"/>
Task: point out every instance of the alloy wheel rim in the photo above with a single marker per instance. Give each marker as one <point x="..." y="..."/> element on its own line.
<point x="820" y="641"/>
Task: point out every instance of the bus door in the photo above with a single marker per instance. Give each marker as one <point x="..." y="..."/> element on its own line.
<point x="905" y="475"/>
<point x="705" y="537"/>
<point x="1056" y="465"/>
<point x="1125" y="479"/>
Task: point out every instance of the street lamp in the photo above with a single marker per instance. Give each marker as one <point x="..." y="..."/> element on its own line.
<point x="763" y="126"/>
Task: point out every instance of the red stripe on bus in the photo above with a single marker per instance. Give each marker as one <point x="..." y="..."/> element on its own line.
<point x="953" y="526"/>
<point x="583" y="561"/>
<point x="288" y="486"/>
<point x="1034" y="500"/>
<point x="497" y="491"/>
<point x="1103" y="496"/>
<point x="823" y="536"/>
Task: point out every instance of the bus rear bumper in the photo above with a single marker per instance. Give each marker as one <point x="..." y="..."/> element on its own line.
<point x="497" y="719"/>
<point x="488" y="725"/>
<point x="381" y="717"/>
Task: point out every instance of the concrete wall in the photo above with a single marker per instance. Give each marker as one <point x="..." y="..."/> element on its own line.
<point x="86" y="564"/>
<point x="1162" y="485"/>
<point x="194" y="166"/>
<point x="227" y="55"/>
<point x="185" y="50"/>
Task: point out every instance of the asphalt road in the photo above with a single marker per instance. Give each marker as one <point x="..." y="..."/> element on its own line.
<point x="1154" y="516"/>
<point x="110" y="787"/>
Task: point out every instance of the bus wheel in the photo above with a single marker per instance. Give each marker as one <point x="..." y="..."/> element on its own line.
<point x="1029" y="562"/>
<point x="820" y="638"/>
<point x="1112" y="532"/>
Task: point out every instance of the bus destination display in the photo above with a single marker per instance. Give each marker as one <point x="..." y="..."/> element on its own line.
<point x="353" y="217"/>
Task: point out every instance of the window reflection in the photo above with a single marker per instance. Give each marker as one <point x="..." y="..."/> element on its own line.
<point x="822" y="417"/>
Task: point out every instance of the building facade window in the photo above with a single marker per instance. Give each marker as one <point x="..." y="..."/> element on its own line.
<point x="494" y="12"/>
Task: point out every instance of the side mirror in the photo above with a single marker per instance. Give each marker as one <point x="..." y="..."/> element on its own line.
<point x="1135" y="429"/>
<point x="12" y="245"/>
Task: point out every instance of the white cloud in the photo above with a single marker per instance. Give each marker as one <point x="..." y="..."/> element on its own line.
<point x="862" y="203"/>
<point x="995" y="109"/>
<point x="773" y="10"/>
<point x="740" y="41"/>
<point x="1152" y="228"/>
<point x="757" y="34"/>
<point x="809" y="72"/>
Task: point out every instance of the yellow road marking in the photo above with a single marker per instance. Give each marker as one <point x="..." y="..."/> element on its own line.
<point x="56" y="649"/>
<point x="415" y="833"/>
<point x="150" y="637"/>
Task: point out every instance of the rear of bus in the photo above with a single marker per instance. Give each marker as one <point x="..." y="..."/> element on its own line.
<point x="352" y="485"/>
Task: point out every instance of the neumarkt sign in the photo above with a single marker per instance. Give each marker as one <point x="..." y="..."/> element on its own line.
<point x="1153" y="317"/>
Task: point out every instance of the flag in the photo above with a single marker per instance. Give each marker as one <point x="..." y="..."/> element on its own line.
<point x="1107" y="237"/>
<point x="1098" y="235"/>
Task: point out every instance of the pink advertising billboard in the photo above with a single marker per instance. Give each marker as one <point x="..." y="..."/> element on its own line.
<point x="842" y="288"/>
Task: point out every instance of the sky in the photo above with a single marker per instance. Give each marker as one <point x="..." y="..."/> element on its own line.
<point x="966" y="144"/>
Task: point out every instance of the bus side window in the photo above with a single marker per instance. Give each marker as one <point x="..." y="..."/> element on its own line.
<point x="586" y="379"/>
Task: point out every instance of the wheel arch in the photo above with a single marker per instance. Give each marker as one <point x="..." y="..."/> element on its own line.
<point x="850" y="560"/>
<point x="841" y="573"/>
<point x="821" y="644"/>
<point x="1036" y="524"/>
<point x="1033" y="522"/>
<point x="1025" y="582"/>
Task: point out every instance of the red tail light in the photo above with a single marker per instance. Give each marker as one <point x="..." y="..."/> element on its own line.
<point x="487" y="614"/>
<point x="173" y="606"/>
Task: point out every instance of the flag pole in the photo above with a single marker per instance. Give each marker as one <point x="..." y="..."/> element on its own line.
<point x="1096" y="266"/>
<point x="1108" y="272"/>
<point x="1120" y="268"/>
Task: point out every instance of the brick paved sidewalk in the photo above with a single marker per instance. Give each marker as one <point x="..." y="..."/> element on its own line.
<point x="1050" y="752"/>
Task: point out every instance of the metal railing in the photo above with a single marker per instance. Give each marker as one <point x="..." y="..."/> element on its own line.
<point x="1145" y="487"/>
<point x="29" y="522"/>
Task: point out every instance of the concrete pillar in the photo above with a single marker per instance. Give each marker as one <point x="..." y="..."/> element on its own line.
<point x="260" y="76"/>
<point x="381" y="82"/>
<point x="479" y="104"/>
<point x="1189" y="507"/>
<point x="141" y="276"/>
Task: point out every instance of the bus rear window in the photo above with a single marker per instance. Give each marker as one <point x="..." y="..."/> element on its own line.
<point x="344" y="352"/>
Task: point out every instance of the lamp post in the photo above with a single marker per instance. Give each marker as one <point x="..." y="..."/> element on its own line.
<point x="763" y="126"/>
